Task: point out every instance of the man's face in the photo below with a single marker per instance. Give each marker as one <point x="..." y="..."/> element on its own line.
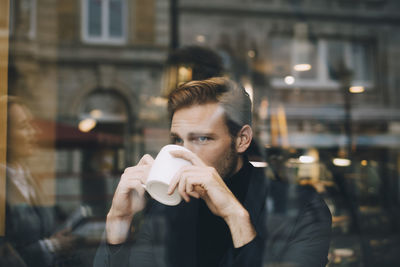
<point x="202" y="129"/>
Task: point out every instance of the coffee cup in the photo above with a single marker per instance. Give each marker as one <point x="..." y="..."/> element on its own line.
<point x="164" y="168"/>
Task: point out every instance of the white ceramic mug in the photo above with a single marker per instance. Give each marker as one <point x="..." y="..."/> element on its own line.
<point x="164" y="168"/>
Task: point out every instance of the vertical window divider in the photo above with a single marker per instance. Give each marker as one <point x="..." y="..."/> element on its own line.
<point x="105" y="4"/>
<point x="322" y="69"/>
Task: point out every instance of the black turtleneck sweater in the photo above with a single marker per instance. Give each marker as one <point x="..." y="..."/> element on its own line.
<point x="214" y="237"/>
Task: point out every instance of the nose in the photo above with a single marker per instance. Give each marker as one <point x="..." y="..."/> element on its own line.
<point x="188" y="146"/>
<point x="34" y="130"/>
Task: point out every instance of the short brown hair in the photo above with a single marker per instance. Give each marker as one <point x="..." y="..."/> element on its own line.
<point x="232" y="98"/>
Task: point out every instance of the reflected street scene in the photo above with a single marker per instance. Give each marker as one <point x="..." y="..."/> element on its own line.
<point x="286" y="116"/>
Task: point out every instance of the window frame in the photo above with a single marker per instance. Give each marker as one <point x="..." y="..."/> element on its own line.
<point x="32" y="19"/>
<point x="11" y="18"/>
<point x="105" y="37"/>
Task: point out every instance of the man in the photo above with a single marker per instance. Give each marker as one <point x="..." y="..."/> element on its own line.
<point x="222" y="220"/>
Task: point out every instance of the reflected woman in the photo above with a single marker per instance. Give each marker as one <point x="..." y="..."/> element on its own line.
<point x="29" y="222"/>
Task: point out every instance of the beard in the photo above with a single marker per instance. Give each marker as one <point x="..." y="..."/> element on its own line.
<point x="227" y="166"/>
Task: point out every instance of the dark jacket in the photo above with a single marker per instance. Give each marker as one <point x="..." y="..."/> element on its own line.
<point x="28" y="220"/>
<point x="167" y="235"/>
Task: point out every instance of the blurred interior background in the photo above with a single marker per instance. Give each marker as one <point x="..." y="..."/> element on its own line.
<point x="323" y="76"/>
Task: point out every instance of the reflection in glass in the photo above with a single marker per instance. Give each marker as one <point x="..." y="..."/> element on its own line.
<point x="344" y="106"/>
<point x="94" y="17"/>
<point x="115" y="18"/>
<point x="281" y="56"/>
<point x="31" y="223"/>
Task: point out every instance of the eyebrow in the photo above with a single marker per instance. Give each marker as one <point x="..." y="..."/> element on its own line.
<point x="193" y="134"/>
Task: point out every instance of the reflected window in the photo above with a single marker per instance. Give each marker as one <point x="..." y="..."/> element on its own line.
<point x="25" y="23"/>
<point x="30" y="6"/>
<point x="105" y="106"/>
<point x="320" y="63"/>
<point x="356" y="56"/>
<point x="103" y="21"/>
<point x="11" y="21"/>
<point x="281" y="56"/>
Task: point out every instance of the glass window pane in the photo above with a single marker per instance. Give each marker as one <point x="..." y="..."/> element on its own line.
<point x="115" y="18"/>
<point x="82" y="107"/>
<point x="335" y="58"/>
<point x="280" y="53"/>
<point x="306" y="54"/>
<point x="361" y="61"/>
<point x="94" y="18"/>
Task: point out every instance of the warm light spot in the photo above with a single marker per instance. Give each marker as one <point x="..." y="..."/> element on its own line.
<point x="159" y="101"/>
<point x="200" y="38"/>
<point x="263" y="109"/>
<point x="306" y="159"/>
<point x="251" y="53"/>
<point x="289" y="80"/>
<point x="96" y="113"/>
<point x="364" y="162"/>
<point x="86" y="125"/>
<point x="302" y="67"/>
<point x="356" y="89"/>
<point x="343" y="252"/>
<point x="341" y="162"/>
<point x="184" y="74"/>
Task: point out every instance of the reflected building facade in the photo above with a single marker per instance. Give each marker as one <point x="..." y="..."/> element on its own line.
<point x="322" y="76"/>
<point x="91" y="71"/>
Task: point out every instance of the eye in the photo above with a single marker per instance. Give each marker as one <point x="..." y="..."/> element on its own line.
<point x="202" y="139"/>
<point x="176" y="140"/>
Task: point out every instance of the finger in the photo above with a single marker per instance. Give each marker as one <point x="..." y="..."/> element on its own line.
<point x="190" y="185"/>
<point x="194" y="194"/>
<point x="135" y="169"/>
<point x="138" y="176"/>
<point x="182" y="189"/>
<point x="189" y="156"/>
<point x="174" y="182"/>
<point x="128" y="169"/>
<point x="135" y="185"/>
<point x="200" y="190"/>
<point x="146" y="160"/>
<point x="137" y="172"/>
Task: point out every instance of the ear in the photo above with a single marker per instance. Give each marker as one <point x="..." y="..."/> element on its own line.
<point x="243" y="138"/>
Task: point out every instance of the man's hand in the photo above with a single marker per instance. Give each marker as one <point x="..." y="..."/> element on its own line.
<point x="201" y="181"/>
<point x="128" y="200"/>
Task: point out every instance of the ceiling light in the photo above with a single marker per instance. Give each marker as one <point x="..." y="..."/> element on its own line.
<point x="302" y="67"/>
<point x="306" y="159"/>
<point x="251" y="53"/>
<point x="341" y="162"/>
<point x="200" y="38"/>
<point x="96" y="113"/>
<point x="289" y="80"/>
<point x="356" y="89"/>
<point x="87" y="124"/>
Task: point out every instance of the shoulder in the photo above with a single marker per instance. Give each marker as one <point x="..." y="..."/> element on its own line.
<point x="310" y="201"/>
